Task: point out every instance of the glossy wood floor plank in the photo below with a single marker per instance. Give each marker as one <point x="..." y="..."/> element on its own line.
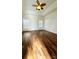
<point x="49" y="40"/>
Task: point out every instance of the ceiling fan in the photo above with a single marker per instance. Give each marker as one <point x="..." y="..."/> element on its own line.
<point x="38" y="5"/>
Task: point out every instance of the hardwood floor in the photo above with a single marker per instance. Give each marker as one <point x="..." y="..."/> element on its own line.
<point x="48" y="38"/>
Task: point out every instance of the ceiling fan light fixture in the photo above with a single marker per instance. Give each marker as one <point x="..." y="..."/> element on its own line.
<point x="38" y="7"/>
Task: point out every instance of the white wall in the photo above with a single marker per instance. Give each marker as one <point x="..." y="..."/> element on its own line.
<point x="50" y="19"/>
<point x="50" y="22"/>
<point x="30" y="22"/>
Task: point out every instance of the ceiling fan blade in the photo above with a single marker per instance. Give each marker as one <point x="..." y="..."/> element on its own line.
<point x="34" y="5"/>
<point x="43" y="4"/>
<point x="38" y="2"/>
